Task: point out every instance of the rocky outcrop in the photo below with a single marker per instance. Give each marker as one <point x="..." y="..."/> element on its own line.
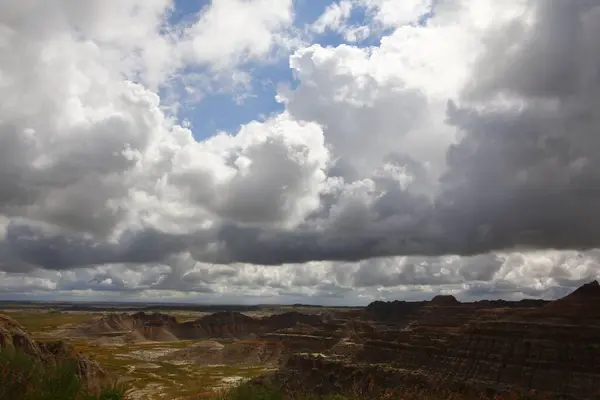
<point x="394" y="311"/>
<point x="525" y="303"/>
<point x="217" y="325"/>
<point x="13" y="335"/>
<point x="324" y="375"/>
<point x="403" y="312"/>
<point x="162" y="327"/>
<point x="154" y="319"/>
<point x="291" y="319"/>
<point x="544" y="355"/>
<point x="582" y="304"/>
<point x="274" y="340"/>
<point x="444" y="300"/>
<point x="236" y="325"/>
<point x="87" y="369"/>
<point x="121" y="323"/>
<point x="480" y="348"/>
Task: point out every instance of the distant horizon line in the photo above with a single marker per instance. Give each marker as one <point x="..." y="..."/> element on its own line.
<point x="201" y="304"/>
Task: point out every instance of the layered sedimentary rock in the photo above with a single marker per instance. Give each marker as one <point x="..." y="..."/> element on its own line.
<point x="217" y="325"/>
<point x="225" y="325"/>
<point x="395" y="311"/>
<point x="483" y="347"/>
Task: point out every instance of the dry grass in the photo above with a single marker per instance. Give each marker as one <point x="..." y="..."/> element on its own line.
<point x="149" y="376"/>
<point x="23" y="377"/>
<point x="139" y="365"/>
<point x="41" y="323"/>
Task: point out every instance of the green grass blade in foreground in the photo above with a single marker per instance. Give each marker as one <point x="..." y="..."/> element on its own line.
<point x="23" y="377"/>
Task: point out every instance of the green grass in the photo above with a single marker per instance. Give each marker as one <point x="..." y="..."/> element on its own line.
<point x="176" y="381"/>
<point x="171" y="380"/>
<point x="23" y="377"/>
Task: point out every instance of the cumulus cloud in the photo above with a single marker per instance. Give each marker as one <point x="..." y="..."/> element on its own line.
<point x="516" y="172"/>
<point x="91" y="163"/>
<point x="230" y="32"/>
<point x="466" y="135"/>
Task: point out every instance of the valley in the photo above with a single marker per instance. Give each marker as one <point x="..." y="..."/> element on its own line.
<point x="442" y="347"/>
<point x="173" y="354"/>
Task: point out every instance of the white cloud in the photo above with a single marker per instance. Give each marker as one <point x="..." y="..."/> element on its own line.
<point x="508" y="276"/>
<point x="87" y="146"/>
<point x="106" y="191"/>
<point x="270" y="172"/>
<point x="379" y="14"/>
<point x="230" y="32"/>
<point x="334" y="17"/>
<point x="395" y="13"/>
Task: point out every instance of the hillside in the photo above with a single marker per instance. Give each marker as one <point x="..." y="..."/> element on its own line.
<point x="139" y="327"/>
<point x="31" y="370"/>
<point x="472" y="349"/>
<point x="441" y="347"/>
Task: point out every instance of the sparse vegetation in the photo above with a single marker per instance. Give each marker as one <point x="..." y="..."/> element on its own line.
<point x="39" y="322"/>
<point x="141" y="365"/>
<point x="269" y="391"/>
<point x="23" y="377"/>
<point x="191" y="370"/>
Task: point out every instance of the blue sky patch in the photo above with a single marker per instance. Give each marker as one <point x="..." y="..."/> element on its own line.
<point x="222" y="110"/>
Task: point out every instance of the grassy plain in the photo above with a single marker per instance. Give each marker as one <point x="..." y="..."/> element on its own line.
<point x="39" y="322"/>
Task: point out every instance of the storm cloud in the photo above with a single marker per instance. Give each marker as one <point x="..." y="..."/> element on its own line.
<point x="523" y="172"/>
<point x="426" y="159"/>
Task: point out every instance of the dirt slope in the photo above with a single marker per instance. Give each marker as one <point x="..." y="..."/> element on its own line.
<point x="161" y="327"/>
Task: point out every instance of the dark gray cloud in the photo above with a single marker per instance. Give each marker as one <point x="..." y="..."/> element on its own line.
<point x="27" y="245"/>
<point x="112" y="187"/>
<point x="524" y="174"/>
<point x="528" y="174"/>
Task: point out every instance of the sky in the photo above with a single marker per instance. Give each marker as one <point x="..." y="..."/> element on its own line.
<point x="284" y="151"/>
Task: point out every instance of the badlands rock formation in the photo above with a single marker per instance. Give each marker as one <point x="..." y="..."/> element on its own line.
<point x="161" y="327"/>
<point x="13" y="335"/>
<point x="470" y="348"/>
<point x="441" y="346"/>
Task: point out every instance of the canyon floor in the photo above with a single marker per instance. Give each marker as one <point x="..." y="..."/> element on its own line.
<point x="443" y="348"/>
<point x="134" y="348"/>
